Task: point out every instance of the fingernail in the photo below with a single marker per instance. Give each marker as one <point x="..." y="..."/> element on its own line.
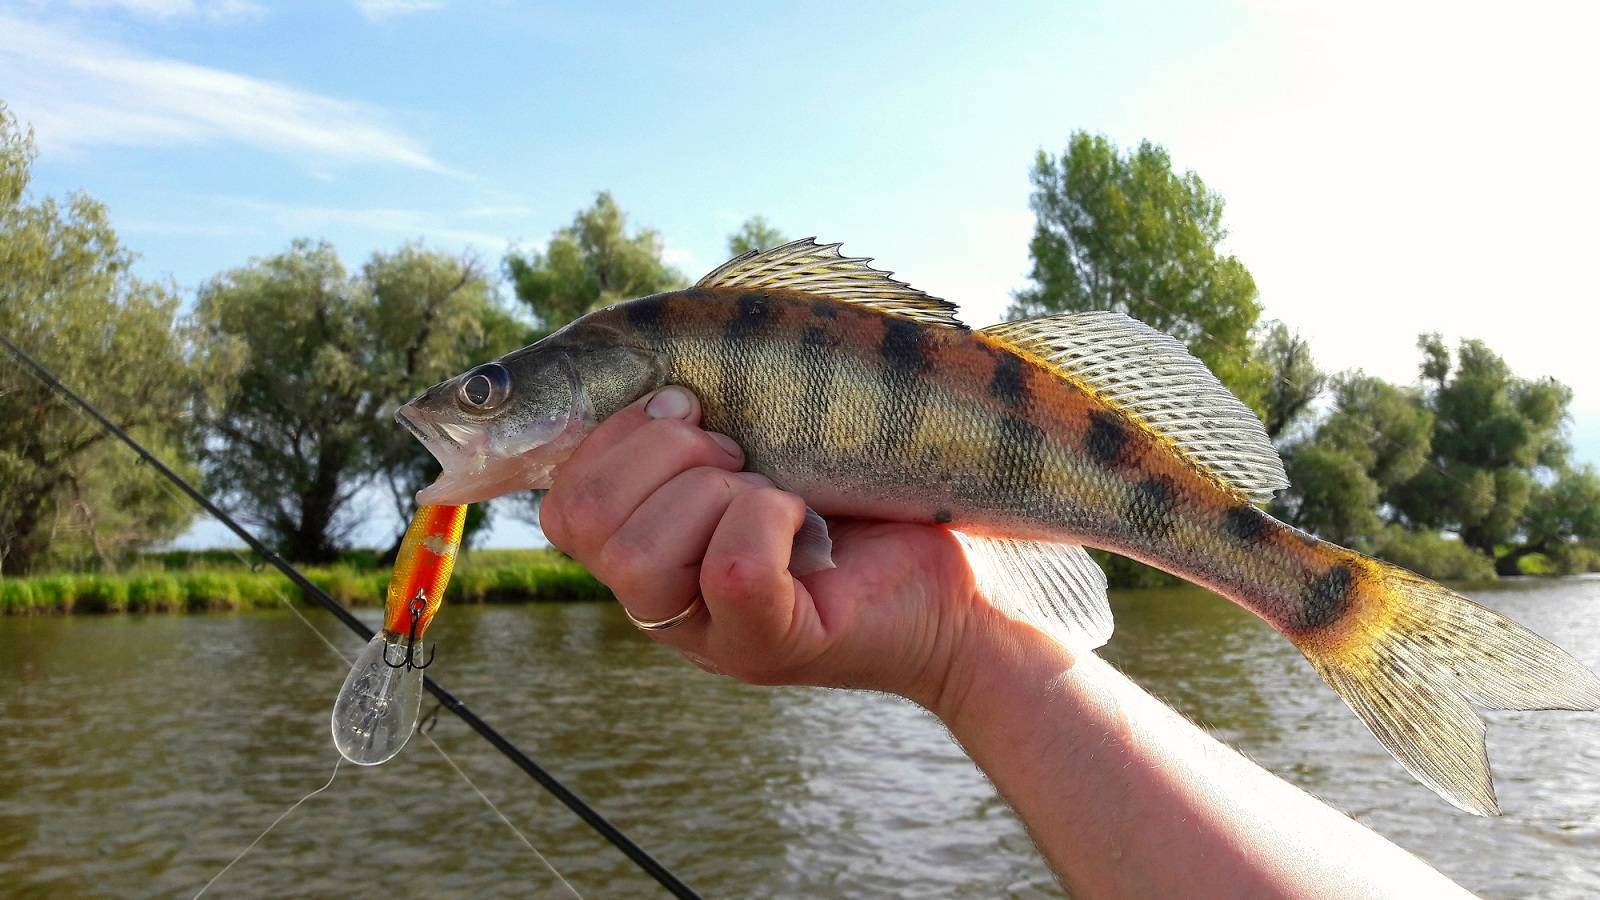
<point x="756" y="479"/>
<point x="669" y="403"/>
<point x="727" y="444"/>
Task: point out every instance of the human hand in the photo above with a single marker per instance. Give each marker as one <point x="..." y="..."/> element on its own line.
<point x="657" y="509"/>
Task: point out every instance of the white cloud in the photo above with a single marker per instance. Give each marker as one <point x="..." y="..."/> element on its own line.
<point x="218" y="11"/>
<point x="378" y="10"/>
<point x="81" y="92"/>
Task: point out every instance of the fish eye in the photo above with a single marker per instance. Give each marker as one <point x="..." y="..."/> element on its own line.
<point x="485" y="388"/>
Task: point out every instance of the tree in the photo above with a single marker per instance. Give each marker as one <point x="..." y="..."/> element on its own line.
<point x="1293" y="381"/>
<point x="326" y="359"/>
<point x="1494" y="434"/>
<point x="755" y="234"/>
<point x="1376" y="437"/>
<point x="1558" y="514"/>
<point x="1126" y="233"/>
<point x="68" y="298"/>
<point x="588" y="264"/>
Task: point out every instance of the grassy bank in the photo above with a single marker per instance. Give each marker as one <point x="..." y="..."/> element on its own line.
<point x="208" y="581"/>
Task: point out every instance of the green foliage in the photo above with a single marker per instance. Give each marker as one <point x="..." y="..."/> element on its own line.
<point x="588" y="264"/>
<point x="155" y="592"/>
<point x="755" y="234"/>
<point x="1293" y="380"/>
<point x="1492" y="431"/>
<point x="1431" y="554"/>
<point x="1125" y="232"/>
<point x="1376" y="437"/>
<point x="160" y="585"/>
<point x="16" y="596"/>
<point x="68" y="495"/>
<point x="325" y="357"/>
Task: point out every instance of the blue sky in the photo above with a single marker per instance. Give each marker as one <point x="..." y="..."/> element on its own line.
<point x="1390" y="168"/>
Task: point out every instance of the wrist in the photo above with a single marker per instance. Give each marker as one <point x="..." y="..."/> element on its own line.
<point x="991" y="663"/>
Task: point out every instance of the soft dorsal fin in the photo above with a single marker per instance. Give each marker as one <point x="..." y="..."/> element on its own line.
<point x="1056" y="588"/>
<point x="1152" y="377"/>
<point x="814" y="268"/>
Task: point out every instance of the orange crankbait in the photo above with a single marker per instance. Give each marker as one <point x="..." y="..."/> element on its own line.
<point x="378" y="705"/>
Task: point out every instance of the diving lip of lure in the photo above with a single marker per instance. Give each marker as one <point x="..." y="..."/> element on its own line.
<point x="378" y="705"/>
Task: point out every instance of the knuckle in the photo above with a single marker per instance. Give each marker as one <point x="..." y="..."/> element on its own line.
<point x="622" y="562"/>
<point x="709" y="480"/>
<point x="736" y="577"/>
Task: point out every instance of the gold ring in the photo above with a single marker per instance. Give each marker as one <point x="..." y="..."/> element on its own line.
<point x="674" y="619"/>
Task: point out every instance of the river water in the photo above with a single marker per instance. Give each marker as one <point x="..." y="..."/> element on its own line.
<point x="142" y="752"/>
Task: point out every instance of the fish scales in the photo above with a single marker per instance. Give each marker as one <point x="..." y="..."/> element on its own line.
<point x="949" y="426"/>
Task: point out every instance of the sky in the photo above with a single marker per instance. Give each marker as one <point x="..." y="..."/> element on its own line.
<point x="1389" y="168"/>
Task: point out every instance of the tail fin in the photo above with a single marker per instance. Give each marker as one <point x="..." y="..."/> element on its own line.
<point x="1418" y="662"/>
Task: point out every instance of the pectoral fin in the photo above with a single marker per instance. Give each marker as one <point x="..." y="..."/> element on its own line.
<point x="1056" y="588"/>
<point x="813" y="548"/>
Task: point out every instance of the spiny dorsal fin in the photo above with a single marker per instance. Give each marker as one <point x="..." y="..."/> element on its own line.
<point x="1151" y="376"/>
<point x="814" y="268"/>
<point x="1056" y="588"/>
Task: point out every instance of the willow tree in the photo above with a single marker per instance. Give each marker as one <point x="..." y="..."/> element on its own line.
<point x="327" y="356"/>
<point x="68" y="494"/>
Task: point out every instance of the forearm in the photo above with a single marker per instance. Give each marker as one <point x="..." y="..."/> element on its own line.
<point x="1127" y="798"/>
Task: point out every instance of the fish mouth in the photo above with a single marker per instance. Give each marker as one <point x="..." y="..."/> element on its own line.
<point x="429" y="433"/>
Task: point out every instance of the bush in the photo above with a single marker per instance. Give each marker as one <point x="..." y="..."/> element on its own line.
<point x="205" y="590"/>
<point x="16" y="597"/>
<point x="346" y="586"/>
<point x="155" y="592"/>
<point x="1432" y="555"/>
<point x="54" y="593"/>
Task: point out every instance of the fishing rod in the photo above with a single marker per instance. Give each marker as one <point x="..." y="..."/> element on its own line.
<point x="584" y="811"/>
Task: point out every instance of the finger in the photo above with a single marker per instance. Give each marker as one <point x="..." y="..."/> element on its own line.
<point x="590" y="500"/>
<point x="749" y="593"/>
<point x="652" y="563"/>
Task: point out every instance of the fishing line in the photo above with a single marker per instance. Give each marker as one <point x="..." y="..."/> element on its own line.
<point x="490" y="803"/>
<point x="647" y="863"/>
<point x="334" y="649"/>
<point x="281" y="816"/>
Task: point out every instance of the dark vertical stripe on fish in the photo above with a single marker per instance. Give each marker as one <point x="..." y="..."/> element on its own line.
<point x="1016" y="467"/>
<point x="753" y="314"/>
<point x="1325" y="599"/>
<point x="905" y="361"/>
<point x="1008" y="384"/>
<point x="816" y="388"/>
<point x="1149" y="510"/>
<point x="1106" y="440"/>
<point x="1245" y="524"/>
<point x="646" y="315"/>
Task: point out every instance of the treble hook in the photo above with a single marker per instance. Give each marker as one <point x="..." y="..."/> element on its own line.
<point x="415" y="607"/>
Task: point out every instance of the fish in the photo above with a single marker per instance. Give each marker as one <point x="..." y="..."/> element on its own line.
<point x="1031" y="441"/>
<point x="376" y="709"/>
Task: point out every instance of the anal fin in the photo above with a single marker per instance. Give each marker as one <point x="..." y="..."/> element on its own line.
<point x="1056" y="588"/>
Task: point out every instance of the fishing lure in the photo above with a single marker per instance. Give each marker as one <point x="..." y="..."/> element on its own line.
<point x="377" y="708"/>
